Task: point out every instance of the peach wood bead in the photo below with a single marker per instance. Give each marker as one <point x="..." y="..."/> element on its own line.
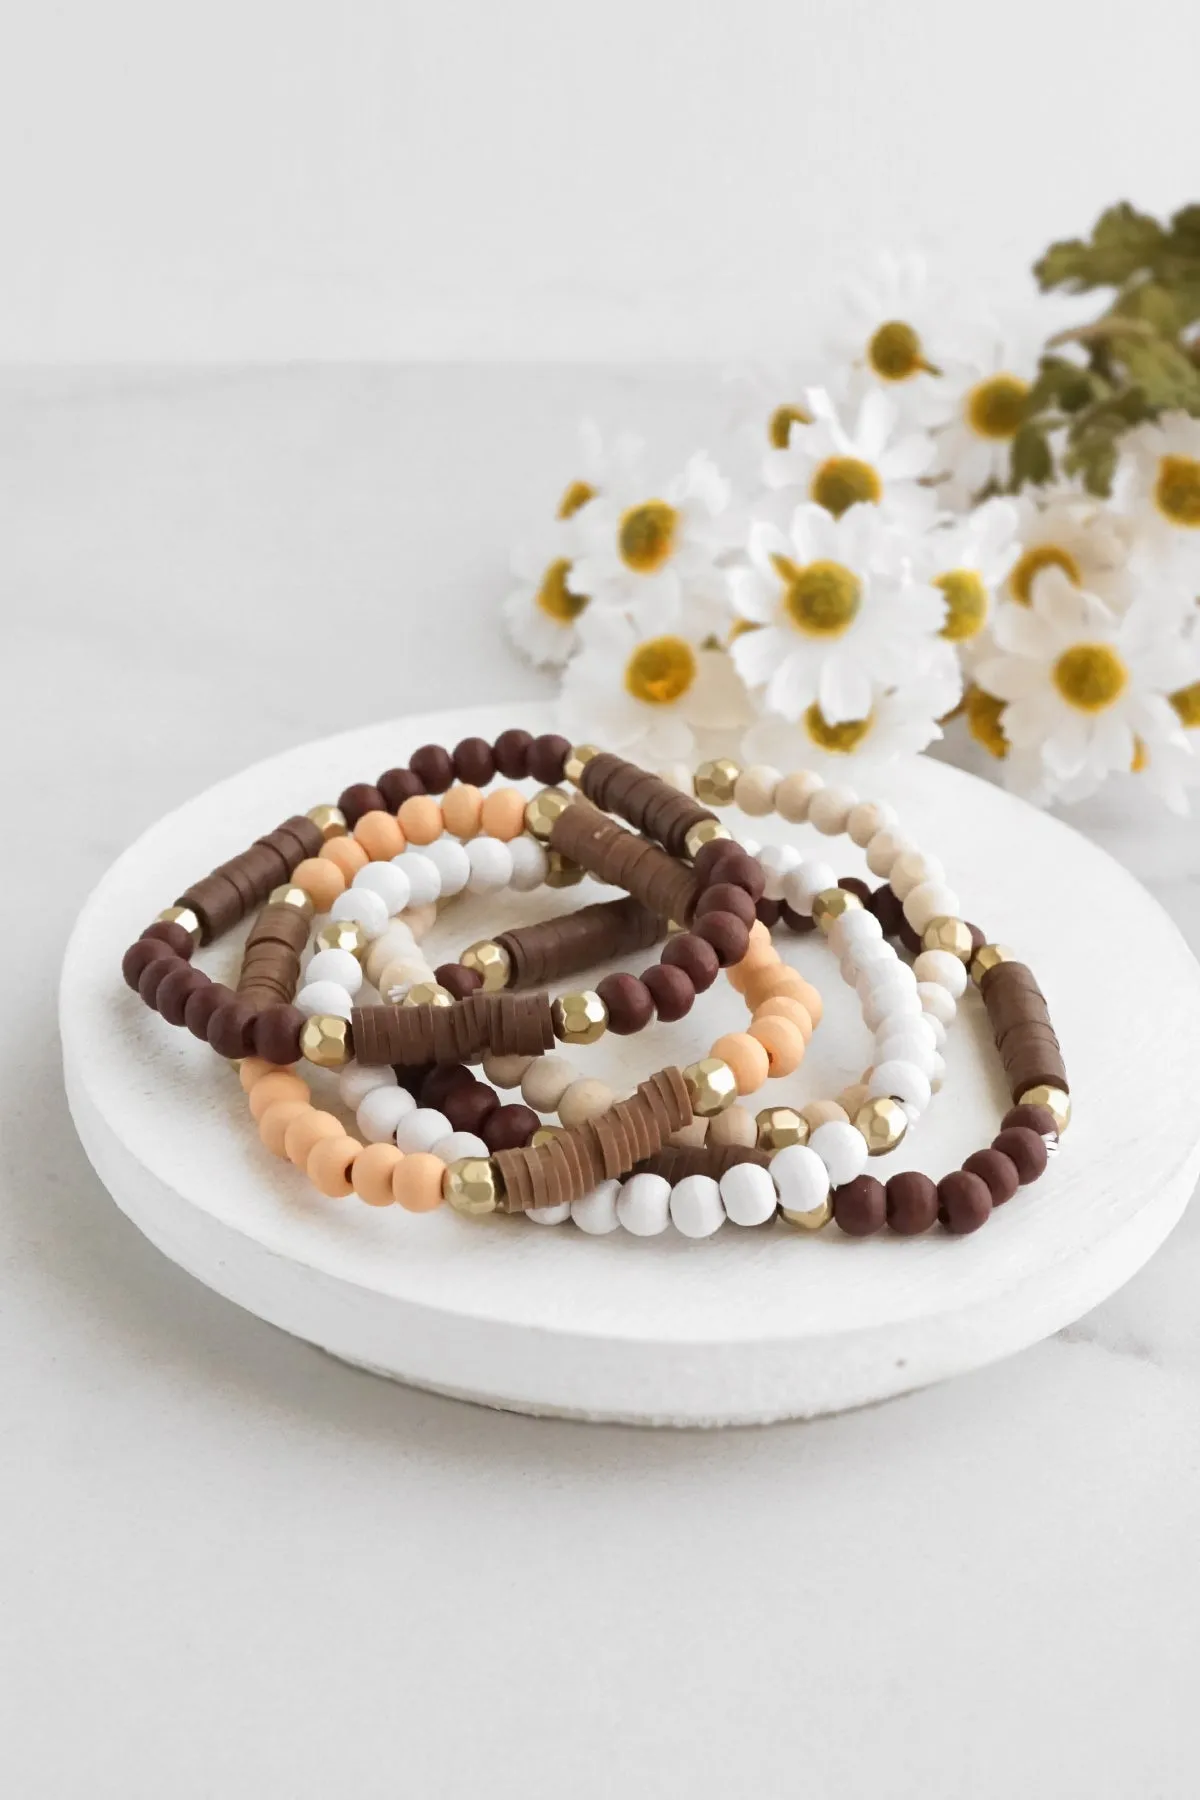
<point x="380" y="835"/>
<point x="503" y="814"/>
<point x="282" y="1085"/>
<point x="420" y="819"/>
<point x="824" y="1112"/>
<point x="346" y="854"/>
<point x="417" y="1179"/>
<point x="810" y="999"/>
<point x="746" y="1057"/>
<point x="783" y="1006"/>
<point x="272" y="1127"/>
<point x="306" y="1130"/>
<point x="329" y="1164"/>
<point x="783" y="1042"/>
<point x="254" y="1068"/>
<point x="321" y="880"/>
<point x="462" y="809"/>
<point x="372" y="1171"/>
<point x="764" y="984"/>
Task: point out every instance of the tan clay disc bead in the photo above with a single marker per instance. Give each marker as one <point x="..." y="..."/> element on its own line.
<point x="461" y="810"/>
<point x="736" y="1125"/>
<point x="782" y="1006"/>
<point x="746" y="1057"/>
<point x="503" y="814"/>
<point x="371" y="1175"/>
<point x="307" y="1129"/>
<point x="321" y="880"/>
<point x="783" y="1042"/>
<point x="380" y="835"/>
<point x="280" y="1086"/>
<point x="417" y="1179"/>
<point x="329" y="1164"/>
<point x="420" y="819"/>
<point x="346" y="854"/>
<point x="584" y="1100"/>
<point x="273" y="1126"/>
<point x="824" y="1112"/>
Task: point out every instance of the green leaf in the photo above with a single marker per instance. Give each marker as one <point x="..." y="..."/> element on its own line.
<point x="1123" y="243"/>
<point x="1031" y="460"/>
<point x="1064" y="385"/>
<point x="1165" y="374"/>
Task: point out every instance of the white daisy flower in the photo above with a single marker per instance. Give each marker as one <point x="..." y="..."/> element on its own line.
<point x="646" y="552"/>
<point x="838" y="612"/>
<point x="900" y="722"/>
<point x="968" y="560"/>
<point x="1061" y="528"/>
<point x="891" y="330"/>
<point x="601" y="467"/>
<point x="871" y="461"/>
<point x="1157" y="485"/>
<point x="541" y="612"/>
<point x="767" y="399"/>
<point x="986" y="381"/>
<point x="647" y="694"/>
<point x="1083" y="686"/>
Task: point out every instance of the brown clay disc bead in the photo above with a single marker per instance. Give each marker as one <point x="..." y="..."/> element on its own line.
<point x="671" y="991"/>
<point x="138" y="958"/>
<point x="457" y="980"/>
<point x="467" y="1108"/>
<point x="231" y="1028"/>
<point x="723" y="896"/>
<point x="997" y="1170"/>
<point x="511" y="752"/>
<point x="729" y="937"/>
<point x="695" y="956"/>
<point x="442" y="1080"/>
<point x="741" y="870"/>
<point x="964" y="1202"/>
<point x="547" y="758"/>
<point x="769" y="913"/>
<point x="509" y="1127"/>
<point x="359" y="798"/>
<point x="1035" y="1118"/>
<point x="397" y="786"/>
<point x="1026" y="1150"/>
<point x="860" y="1206"/>
<point x="173" y="991"/>
<point x="202" y="1004"/>
<point x="887" y="909"/>
<point x="474" y="761"/>
<point x="172" y="935"/>
<point x="154" y="974"/>
<point x="797" y="922"/>
<point x="854" y="885"/>
<point x="277" y="1034"/>
<point x="912" y="1203"/>
<point x="630" y="1007"/>
<point x="434" y="766"/>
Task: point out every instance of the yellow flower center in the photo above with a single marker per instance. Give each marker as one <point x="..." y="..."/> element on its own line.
<point x="842" y="482"/>
<point x="576" y="495"/>
<point x="996" y="407"/>
<point x="895" y="353"/>
<point x="966" y="603"/>
<point x="983" y="721"/>
<point x="1029" y="566"/>
<point x="1186" y="702"/>
<point x="740" y="627"/>
<point x="1141" y="757"/>
<point x="1090" y="676"/>
<point x="842" y="739"/>
<point x="1177" y="490"/>
<point x="661" y="671"/>
<point x="555" y="597"/>
<point x="647" y="535"/>
<point x="779" y="426"/>
<point x="822" y="598"/>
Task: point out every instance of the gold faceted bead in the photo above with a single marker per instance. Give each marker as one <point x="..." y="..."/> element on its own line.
<point x="813" y="1219"/>
<point x="579" y="1018"/>
<point x="287" y="895"/>
<point x="326" y="1041"/>
<point x="545" y="1134"/>
<point x="883" y="1123"/>
<point x="946" y="933"/>
<point x="183" y="915"/>
<point x="490" y="961"/>
<point x="561" y="872"/>
<point x="330" y="821"/>
<point x="779" y="1126"/>
<point x="1055" y="1100"/>
<point x="711" y="1086"/>
<point x="574" y="765"/>
<point x="987" y="957"/>
<point x="343" y="934"/>
<point x="831" y="903"/>
<point x="543" y="810"/>
<point x="714" y="782"/>
<point x="703" y="832"/>
<point x="472" y="1186"/>
<point x="428" y="993"/>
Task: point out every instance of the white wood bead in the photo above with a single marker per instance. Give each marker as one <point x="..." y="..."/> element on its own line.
<point x="748" y="1194"/>
<point x="800" y="1176"/>
<point x="422" y="874"/>
<point x="855" y="927"/>
<point x="459" y="1144"/>
<point x="938" y="1072"/>
<point x="873" y="953"/>
<point x="545" y="1082"/>
<point x="506" y="1071"/>
<point x="829" y="810"/>
<point x="900" y="1045"/>
<point x="530" y="864"/>
<point x="749" y="844"/>
<point x="884" y="848"/>
<point x="937" y="1002"/>
<point x="335" y="965"/>
<point x="868" y="817"/>
<point x="596" y="1213"/>
<point x="892" y="1005"/>
<point x="754" y="790"/>
<point x="491" y="865"/>
<point x="945" y="969"/>
<point x="931" y="900"/>
<point x="937" y="1028"/>
<point x="452" y="863"/>
<point x="644" y="1205"/>
<point x="881" y="974"/>
<point x="363" y="905"/>
<point x="389" y="882"/>
<point x="420" y="1129"/>
<point x="324" y="997"/>
<point x="356" y="1081"/>
<point x="794" y="795"/>
<point x="910" y="869"/>
<point x="393" y="943"/>
<point x="697" y="1209"/>
<point x="584" y="1100"/>
<point x="380" y="1111"/>
<point x="842" y="1149"/>
<point x="802" y="884"/>
<point x="902" y="1081"/>
<point x="776" y="861"/>
<point x="549" y="1215"/>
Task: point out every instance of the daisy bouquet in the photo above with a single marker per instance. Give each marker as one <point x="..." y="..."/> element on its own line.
<point x="942" y="524"/>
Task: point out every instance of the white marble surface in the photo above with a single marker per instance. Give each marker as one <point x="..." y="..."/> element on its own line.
<point x="230" y="1567"/>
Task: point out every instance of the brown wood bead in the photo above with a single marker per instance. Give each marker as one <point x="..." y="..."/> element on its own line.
<point x="853" y="884"/>
<point x="434" y="765"/>
<point x="912" y="1203"/>
<point x="171" y="997"/>
<point x="769" y="913"/>
<point x="440" y="1081"/>
<point x="140" y="955"/>
<point x="474" y="762"/>
<point x="800" y="923"/>
<point x="997" y="1170"/>
<point x="695" y="956"/>
<point x="964" y="1202"/>
<point x="277" y="1034"/>
<point x="860" y="1206"/>
<point x="547" y="758"/>
<point x="908" y="938"/>
<point x="723" y="896"/>
<point x="468" y="1107"/>
<point x="202" y="1004"/>
<point x="706" y="859"/>
<point x="1026" y="1150"/>
<point x="231" y="1029"/>
<point x="887" y="909"/>
<point x="359" y="798"/>
<point x="173" y="935"/>
<point x="671" y="991"/>
<point x="1036" y="1118"/>
<point x="397" y="786"/>
<point x="729" y="937"/>
<point x="154" y="973"/>
<point x="511" y="753"/>
<point x="458" y="980"/>
<point x="733" y="865"/>
<point x="630" y="1007"/>
<point x="509" y="1127"/>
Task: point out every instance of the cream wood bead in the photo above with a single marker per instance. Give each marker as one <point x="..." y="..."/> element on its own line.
<point x="691" y="1136"/>
<point x="421" y="1129"/>
<point x="946" y="970"/>
<point x="335" y="965"/>
<point x="644" y="1205"/>
<point x="392" y="945"/>
<point x="910" y="869"/>
<point x="596" y="1213"/>
<point x="867" y="818"/>
<point x="323" y="997"/>
<point x="754" y="790"/>
<point x="697" y="1209"/>
<point x="901" y="1081"/>
<point x="823" y="1112"/>
<point x="506" y="1071"/>
<point x="928" y="901"/>
<point x="389" y="882"/>
<point x="829" y="810"/>
<point x="802" y="885"/>
<point x="452" y="863"/>
<point x="549" y="1215"/>
<point x="459" y="1144"/>
<point x="584" y="1100"/>
<point x="736" y="1125"/>
<point x="545" y="1082"/>
<point x="843" y="1151"/>
<point x="884" y="848"/>
<point x="355" y="1082"/>
<point x="530" y="863"/>
<point x="937" y="1002"/>
<point x="937" y="1028"/>
<point x="801" y="1178"/>
<point x="851" y="1098"/>
<point x="794" y="795"/>
<point x="776" y="861"/>
<point x="491" y="865"/>
<point x="421" y="874"/>
<point x="381" y="1111"/>
<point x="363" y="905"/>
<point x="396" y="977"/>
<point x="748" y="1194"/>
